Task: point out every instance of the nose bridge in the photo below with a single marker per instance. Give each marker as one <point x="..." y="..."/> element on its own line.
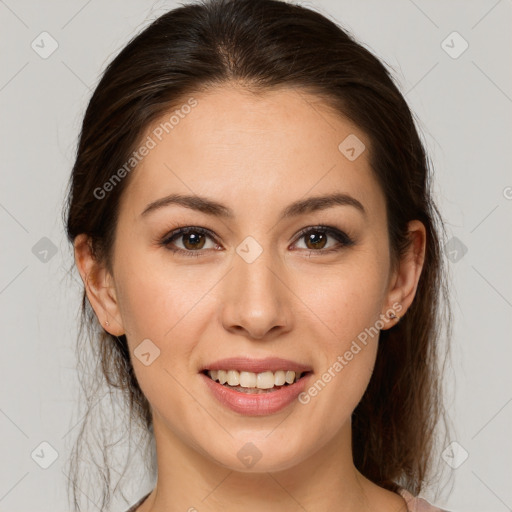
<point x="255" y="298"/>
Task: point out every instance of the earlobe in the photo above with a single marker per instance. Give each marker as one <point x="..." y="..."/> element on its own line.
<point x="404" y="282"/>
<point x="99" y="286"/>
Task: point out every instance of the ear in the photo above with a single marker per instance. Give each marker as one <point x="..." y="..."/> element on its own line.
<point x="99" y="286"/>
<point x="404" y="279"/>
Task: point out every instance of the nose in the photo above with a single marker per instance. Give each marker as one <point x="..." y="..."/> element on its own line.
<point x="255" y="300"/>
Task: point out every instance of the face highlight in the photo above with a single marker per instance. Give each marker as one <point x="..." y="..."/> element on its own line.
<point x="246" y="233"/>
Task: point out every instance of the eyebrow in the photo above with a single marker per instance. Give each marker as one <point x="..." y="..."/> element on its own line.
<point x="210" y="207"/>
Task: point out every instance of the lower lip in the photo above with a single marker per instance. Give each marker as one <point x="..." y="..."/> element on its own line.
<point x="257" y="404"/>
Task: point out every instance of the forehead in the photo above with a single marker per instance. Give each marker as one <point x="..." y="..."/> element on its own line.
<point x="253" y="150"/>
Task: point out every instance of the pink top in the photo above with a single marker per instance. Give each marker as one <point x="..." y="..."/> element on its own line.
<point x="414" y="504"/>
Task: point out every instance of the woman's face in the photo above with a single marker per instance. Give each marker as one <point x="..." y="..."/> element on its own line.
<point x="255" y="278"/>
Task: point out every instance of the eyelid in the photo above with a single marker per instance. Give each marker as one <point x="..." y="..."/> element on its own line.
<point x="175" y="233"/>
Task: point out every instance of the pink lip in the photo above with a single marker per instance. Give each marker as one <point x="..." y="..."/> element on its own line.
<point x="255" y="404"/>
<point x="270" y="364"/>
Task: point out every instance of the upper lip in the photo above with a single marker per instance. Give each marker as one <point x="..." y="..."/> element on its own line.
<point x="246" y="364"/>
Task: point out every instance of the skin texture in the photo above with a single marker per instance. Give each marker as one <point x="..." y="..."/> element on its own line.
<point x="256" y="155"/>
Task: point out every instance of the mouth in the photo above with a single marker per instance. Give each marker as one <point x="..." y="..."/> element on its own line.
<point x="255" y="387"/>
<point x="255" y="383"/>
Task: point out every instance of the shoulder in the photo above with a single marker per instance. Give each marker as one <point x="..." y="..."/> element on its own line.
<point x="417" y="504"/>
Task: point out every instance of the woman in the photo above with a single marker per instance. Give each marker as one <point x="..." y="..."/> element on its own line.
<point x="252" y="221"/>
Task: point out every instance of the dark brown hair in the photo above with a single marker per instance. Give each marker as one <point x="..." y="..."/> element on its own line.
<point x="260" y="45"/>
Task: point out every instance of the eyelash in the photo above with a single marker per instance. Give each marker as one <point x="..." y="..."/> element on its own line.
<point x="340" y="236"/>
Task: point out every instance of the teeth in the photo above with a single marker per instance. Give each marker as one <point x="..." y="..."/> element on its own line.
<point x="289" y="377"/>
<point x="247" y="379"/>
<point x="264" y="380"/>
<point x="279" y="378"/>
<point x="233" y="378"/>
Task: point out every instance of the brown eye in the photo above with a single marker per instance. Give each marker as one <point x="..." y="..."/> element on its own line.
<point x="191" y="239"/>
<point x="315" y="240"/>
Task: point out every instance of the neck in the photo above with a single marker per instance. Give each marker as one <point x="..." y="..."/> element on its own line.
<point x="191" y="481"/>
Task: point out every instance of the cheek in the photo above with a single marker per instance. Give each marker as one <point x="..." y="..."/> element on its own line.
<point x="154" y="295"/>
<point x="345" y="301"/>
<point x="346" y="306"/>
<point x="160" y="303"/>
<point x="166" y="304"/>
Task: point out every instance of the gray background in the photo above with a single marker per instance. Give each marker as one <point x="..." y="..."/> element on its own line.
<point x="463" y="103"/>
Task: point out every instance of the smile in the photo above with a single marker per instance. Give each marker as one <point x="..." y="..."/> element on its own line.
<point x="255" y="387"/>
<point x="257" y="383"/>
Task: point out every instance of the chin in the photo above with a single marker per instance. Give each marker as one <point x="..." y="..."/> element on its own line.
<point x="259" y="455"/>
